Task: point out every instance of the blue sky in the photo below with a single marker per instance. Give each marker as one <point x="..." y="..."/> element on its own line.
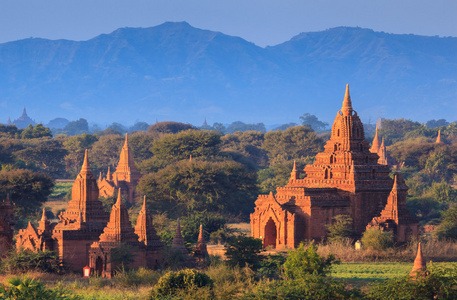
<point x="263" y="22"/>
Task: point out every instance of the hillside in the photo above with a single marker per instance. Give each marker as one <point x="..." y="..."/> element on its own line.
<point x="177" y="72"/>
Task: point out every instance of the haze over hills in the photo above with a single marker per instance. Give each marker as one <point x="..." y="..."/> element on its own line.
<point x="177" y="72"/>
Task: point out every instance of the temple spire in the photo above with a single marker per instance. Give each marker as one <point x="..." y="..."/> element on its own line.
<point x="43" y="216"/>
<point x="419" y="263"/>
<point x="375" y="145"/>
<point x="178" y="240"/>
<point x="438" y="138"/>
<point x="347" y="104"/>
<point x="294" y="175"/>
<point x="144" y="204"/>
<point x="85" y="168"/>
<point x="119" y="198"/>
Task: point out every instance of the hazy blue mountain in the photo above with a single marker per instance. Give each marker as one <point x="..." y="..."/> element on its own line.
<point x="177" y="72"/>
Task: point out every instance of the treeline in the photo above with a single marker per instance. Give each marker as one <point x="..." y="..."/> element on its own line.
<point x="207" y="176"/>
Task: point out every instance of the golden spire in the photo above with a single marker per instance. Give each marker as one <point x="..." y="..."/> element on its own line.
<point x="347" y="104"/>
<point x="294" y="175"/>
<point x="375" y="145"/>
<point x="395" y="186"/>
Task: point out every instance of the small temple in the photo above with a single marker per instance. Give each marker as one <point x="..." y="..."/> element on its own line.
<point x="420" y="266"/>
<point x="23" y="121"/>
<point x="125" y="177"/>
<point x="349" y="177"/>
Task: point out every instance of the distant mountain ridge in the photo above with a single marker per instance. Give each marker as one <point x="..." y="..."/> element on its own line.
<point x="177" y="72"/>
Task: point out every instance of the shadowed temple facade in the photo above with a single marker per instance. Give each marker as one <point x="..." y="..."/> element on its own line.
<point x="348" y="178"/>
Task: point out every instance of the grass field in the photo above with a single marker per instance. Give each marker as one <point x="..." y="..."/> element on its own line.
<point x="60" y="190"/>
<point x="375" y="271"/>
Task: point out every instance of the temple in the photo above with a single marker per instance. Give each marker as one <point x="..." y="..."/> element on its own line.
<point x="125" y="177"/>
<point x="86" y="234"/>
<point x="346" y="178"/>
<point x="23" y="121"/>
<point x="142" y="243"/>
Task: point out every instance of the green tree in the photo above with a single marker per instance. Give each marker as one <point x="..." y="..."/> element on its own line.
<point x="377" y="239"/>
<point x="313" y="122"/>
<point x="139" y="126"/>
<point x="447" y="229"/>
<point x="300" y="263"/>
<point x="76" y="146"/>
<point x="198" y="143"/>
<point x="224" y="186"/>
<point x="28" y="191"/>
<point x="294" y="143"/>
<point x="395" y="130"/>
<point x="46" y="154"/>
<point x="340" y="228"/>
<point x="240" y="126"/>
<point x="105" y="152"/>
<point x="77" y="127"/>
<point x="169" y="127"/>
<point x="243" y="250"/>
<point x="246" y="148"/>
<point x="37" y="131"/>
<point x="187" y="280"/>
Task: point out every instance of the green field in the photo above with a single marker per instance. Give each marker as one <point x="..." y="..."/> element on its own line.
<point x="374" y="271"/>
<point x="60" y="190"/>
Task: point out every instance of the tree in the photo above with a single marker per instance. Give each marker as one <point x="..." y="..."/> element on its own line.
<point x="240" y="126"/>
<point x="300" y="263"/>
<point x="139" y="126"/>
<point x="377" y="239"/>
<point x="243" y="250"/>
<point x="169" y="127"/>
<point x="105" y="152"/>
<point x="340" y="228"/>
<point x="294" y="142"/>
<point x="224" y="186"/>
<point x="46" y="154"/>
<point x="313" y="122"/>
<point x="187" y="280"/>
<point x="395" y="130"/>
<point x="447" y="229"/>
<point x="246" y="148"/>
<point x="198" y="143"/>
<point x="436" y="123"/>
<point x="77" y="127"/>
<point x="28" y="191"/>
<point x="76" y="146"/>
<point x="37" y="131"/>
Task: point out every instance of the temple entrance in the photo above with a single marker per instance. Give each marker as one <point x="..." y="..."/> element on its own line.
<point x="98" y="266"/>
<point x="270" y="234"/>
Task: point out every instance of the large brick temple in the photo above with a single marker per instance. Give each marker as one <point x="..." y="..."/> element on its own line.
<point x="86" y="234"/>
<point x="346" y="178"/>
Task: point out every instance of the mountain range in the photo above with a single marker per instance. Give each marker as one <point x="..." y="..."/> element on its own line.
<point x="180" y="73"/>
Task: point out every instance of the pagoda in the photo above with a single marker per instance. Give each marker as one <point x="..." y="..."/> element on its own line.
<point x="345" y="178"/>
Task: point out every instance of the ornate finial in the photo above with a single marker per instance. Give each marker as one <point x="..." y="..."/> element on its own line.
<point x="294" y="169"/>
<point x="126" y="141"/>
<point x="100" y="177"/>
<point x="419" y="262"/>
<point x="144" y="204"/>
<point x="190" y="158"/>
<point x="116" y="182"/>
<point x="395" y="186"/>
<point x="108" y="174"/>
<point x="347" y="104"/>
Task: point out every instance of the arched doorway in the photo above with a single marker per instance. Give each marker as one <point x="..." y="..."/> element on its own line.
<point x="270" y="234"/>
<point x="99" y="266"/>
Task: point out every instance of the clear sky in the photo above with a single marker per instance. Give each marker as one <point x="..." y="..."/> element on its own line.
<point x="263" y="22"/>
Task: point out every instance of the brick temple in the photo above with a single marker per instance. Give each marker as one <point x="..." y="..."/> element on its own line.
<point x="125" y="177"/>
<point x="85" y="234"/>
<point x="346" y="178"/>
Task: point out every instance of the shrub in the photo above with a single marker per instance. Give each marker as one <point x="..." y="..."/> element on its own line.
<point x="28" y="288"/>
<point x="271" y="266"/>
<point x="174" y="282"/>
<point x="448" y="226"/>
<point x="300" y="263"/>
<point x="377" y="239"/>
<point x="340" y="228"/>
<point x="25" y="260"/>
<point x="441" y="283"/>
<point x="243" y="250"/>
<point x="311" y="286"/>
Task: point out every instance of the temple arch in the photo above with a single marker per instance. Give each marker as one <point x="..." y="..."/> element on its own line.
<point x="271" y="233"/>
